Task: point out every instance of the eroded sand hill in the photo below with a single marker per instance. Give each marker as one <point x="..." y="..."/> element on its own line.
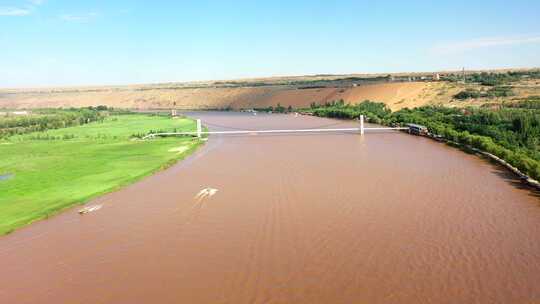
<point x="396" y="95"/>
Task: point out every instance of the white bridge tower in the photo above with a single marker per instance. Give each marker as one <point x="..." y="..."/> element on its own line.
<point x="199" y="128"/>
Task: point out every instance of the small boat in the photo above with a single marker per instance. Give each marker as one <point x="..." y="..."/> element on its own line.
<point x="206" y="192"/>
<point x="89" y="209"/>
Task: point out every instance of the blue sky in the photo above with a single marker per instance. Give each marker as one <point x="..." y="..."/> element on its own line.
<point x="60" y="42"/>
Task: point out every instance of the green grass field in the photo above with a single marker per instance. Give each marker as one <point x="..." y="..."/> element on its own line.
<point x="82" y="163"/>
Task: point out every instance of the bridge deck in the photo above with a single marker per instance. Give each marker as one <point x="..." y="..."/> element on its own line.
<point x="195" y="133"/>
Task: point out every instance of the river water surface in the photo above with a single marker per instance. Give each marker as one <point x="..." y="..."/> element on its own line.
<point x="335" y="218"/>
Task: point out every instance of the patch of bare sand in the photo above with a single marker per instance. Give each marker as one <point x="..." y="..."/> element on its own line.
<point x="395" y="95"/>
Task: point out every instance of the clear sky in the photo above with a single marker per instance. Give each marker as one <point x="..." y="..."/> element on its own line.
<point x="66" y="42"/>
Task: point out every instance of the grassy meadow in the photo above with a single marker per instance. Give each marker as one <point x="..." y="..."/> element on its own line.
<point x="45" y="172"/>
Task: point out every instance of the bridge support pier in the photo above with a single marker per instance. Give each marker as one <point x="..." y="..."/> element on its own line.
<point x="199" y="128"/>
<point x="361" y="124"/>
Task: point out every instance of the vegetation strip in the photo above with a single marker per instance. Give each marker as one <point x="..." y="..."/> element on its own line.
<point x="57" y="168"/>
<point x="47" y="119"/>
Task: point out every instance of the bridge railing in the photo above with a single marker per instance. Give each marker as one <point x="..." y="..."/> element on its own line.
<point x="199" y="133"/>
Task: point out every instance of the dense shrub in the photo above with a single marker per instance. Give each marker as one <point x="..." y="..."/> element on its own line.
<point x="499" y="92"/>
<point x="495" y="79"/>
<point x="468" y="93"/>
<point x="374" y="111"/>
<point x="491" y="93"/>
<point x="48" y="119"/>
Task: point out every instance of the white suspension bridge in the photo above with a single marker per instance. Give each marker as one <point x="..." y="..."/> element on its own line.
<point x="199" y="133"/>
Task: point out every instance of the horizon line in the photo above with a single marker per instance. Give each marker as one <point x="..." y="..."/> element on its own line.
<point x="273" y="77"/>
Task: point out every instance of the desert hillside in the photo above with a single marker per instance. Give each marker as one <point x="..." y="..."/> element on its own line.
<point x="397" y="91"/>
<point x="194" y="98"/>
<point x="396" y="95"/>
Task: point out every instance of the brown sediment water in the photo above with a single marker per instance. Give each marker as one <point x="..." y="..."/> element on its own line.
<point x="311" y="218"/>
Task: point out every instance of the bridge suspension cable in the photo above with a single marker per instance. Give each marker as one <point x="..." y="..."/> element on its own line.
<point x="199" y="131"/>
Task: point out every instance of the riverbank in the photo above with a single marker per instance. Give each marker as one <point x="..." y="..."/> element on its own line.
<point x="53" y="170"/>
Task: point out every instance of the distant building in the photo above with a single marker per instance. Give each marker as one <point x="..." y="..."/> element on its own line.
<point x="437" y="77"/>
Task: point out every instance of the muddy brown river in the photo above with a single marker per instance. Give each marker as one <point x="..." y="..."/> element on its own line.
<point x="311" y="218"/>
